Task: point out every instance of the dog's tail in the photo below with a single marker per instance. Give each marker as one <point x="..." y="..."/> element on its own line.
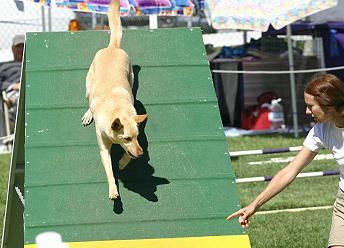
<point x="115" y="24"/>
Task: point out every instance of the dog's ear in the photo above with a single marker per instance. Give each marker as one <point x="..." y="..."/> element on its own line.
<point x="141" y="118"/>
<point x="116" y="125"/>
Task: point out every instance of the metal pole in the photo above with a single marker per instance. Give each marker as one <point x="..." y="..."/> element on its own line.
<point x="265" y="151"/>
<point x="43" y="18"/>
<point x="49" y="19"/>
<point x="245" y="36"/>
<point x="94" y="20"/>
<point x="153" y="21"/>
<point x="301" y="175"/>
<point x="189" y="22"/>
<point x="292" y="83"/>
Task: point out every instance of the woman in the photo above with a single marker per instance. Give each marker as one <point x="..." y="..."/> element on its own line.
<point x="324" y="97"/>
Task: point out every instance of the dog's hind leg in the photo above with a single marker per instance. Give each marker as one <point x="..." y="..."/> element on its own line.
<point x="104" y="150"/>
<point x="87" y="118"/>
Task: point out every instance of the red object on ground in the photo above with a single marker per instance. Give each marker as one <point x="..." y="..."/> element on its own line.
<point x="256" y="119"/>
<point x="262" y="121"/>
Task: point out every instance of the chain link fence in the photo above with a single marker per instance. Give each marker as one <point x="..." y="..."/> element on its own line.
<point x="227" y="49"/>
<point x="19" y="17"/>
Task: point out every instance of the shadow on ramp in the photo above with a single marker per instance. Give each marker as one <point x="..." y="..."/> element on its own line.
<point x="138" y="175"/>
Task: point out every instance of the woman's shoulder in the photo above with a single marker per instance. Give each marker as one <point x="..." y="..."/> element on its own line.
<point x="323" y="127"/>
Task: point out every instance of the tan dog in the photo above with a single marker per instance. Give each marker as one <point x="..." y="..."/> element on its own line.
<point x="111" y="101"/>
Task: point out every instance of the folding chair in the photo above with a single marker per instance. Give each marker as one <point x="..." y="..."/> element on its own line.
<point x="8" y="139"/>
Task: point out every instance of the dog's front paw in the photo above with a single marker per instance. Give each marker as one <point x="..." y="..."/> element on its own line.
<point x="113" y="193"/>
<point x="124" y="161"/>
<point x="87" y="118"/>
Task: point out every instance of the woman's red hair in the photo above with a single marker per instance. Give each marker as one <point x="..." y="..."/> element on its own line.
<point x="327" y="89"/>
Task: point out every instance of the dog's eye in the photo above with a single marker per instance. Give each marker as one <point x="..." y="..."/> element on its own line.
<point x="127" y="139"/>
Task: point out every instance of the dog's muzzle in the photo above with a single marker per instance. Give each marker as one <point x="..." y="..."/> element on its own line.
<point x="134" y="157"/>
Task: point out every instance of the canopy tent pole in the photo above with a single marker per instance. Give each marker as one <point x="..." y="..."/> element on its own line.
<point x="189" y="21"/>
<point x="49" y="19"/>
<point x="94" y="20"/>
<point x="43" y="18"/>
<point x="292" y="83"/>
<point x="244" y="33"/>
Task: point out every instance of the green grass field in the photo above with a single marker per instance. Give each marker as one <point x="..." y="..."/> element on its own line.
<point x="4" y="167"/>
<point x="300" y="229"/>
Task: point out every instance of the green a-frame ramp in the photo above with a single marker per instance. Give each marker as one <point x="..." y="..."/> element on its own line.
<point x="177" y="195"/>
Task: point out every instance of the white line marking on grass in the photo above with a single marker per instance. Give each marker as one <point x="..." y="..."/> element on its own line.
<point x="288" y="159"/>
<point x="293" y="210"/>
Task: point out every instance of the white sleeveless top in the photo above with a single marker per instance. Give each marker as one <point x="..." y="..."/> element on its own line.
<point x="327" y="135"/>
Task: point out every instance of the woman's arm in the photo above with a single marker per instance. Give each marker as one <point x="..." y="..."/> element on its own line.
<point x="281" y="180"/>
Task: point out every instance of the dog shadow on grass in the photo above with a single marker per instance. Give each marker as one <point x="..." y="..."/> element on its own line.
<point x="138" y="175"/>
